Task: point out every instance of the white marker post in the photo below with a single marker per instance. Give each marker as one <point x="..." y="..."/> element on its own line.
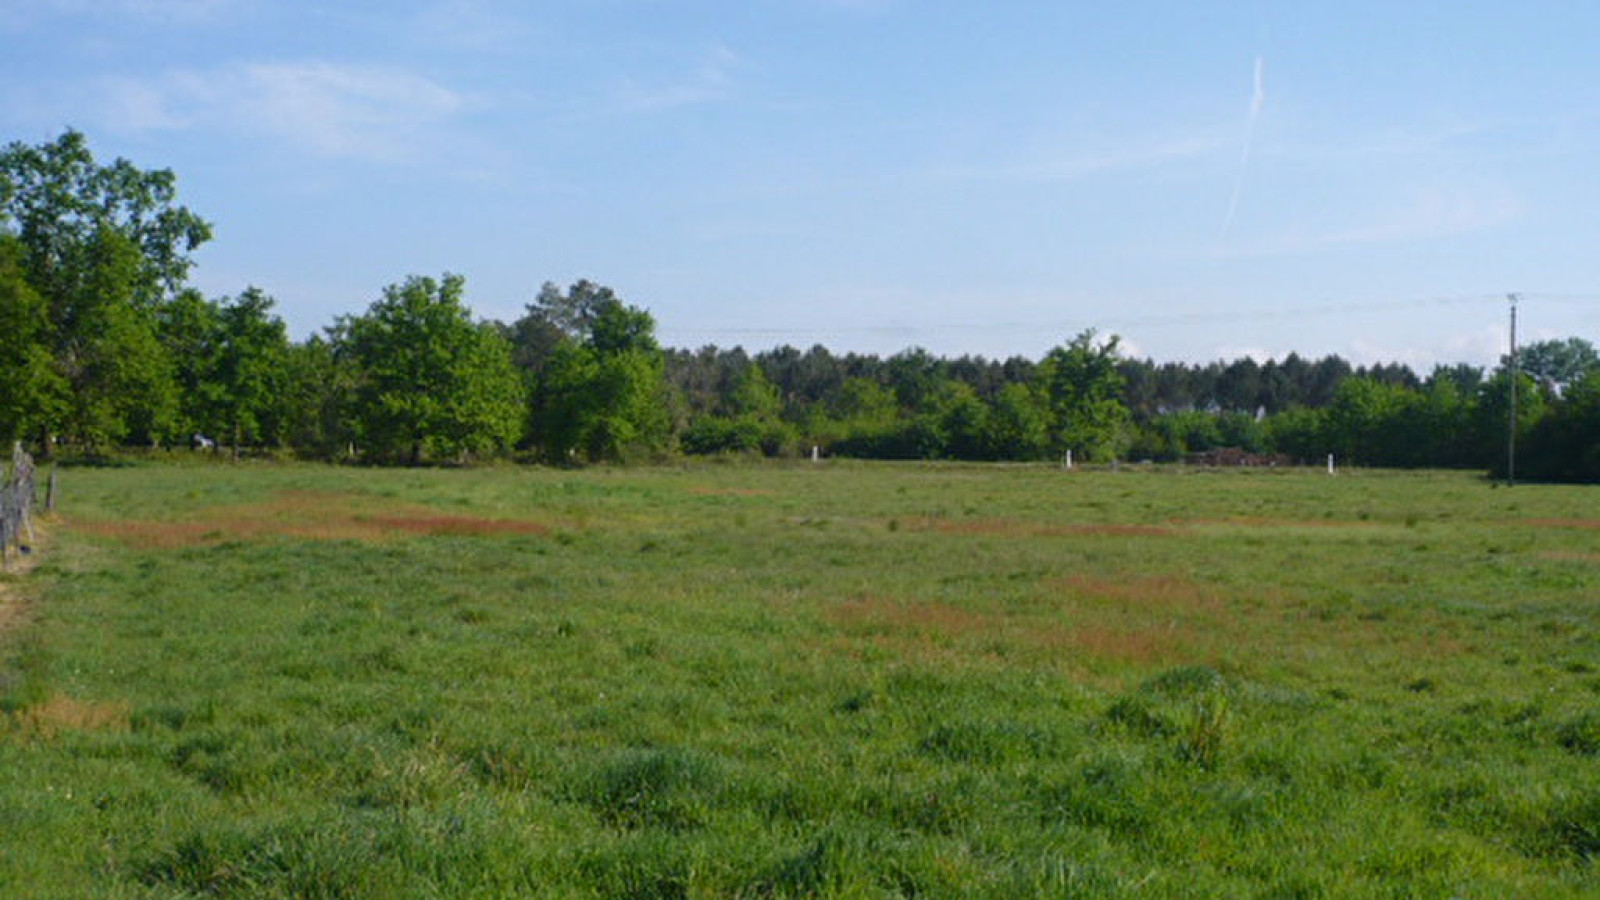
<point x="1330" y="463"/>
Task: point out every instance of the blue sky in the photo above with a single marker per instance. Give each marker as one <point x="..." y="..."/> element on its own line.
<point x="1206" y="180"/>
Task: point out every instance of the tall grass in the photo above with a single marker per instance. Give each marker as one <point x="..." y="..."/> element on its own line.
<point x="794" y="681"/>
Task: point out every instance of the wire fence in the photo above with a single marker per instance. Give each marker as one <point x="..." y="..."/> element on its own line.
<point x="17" y="491"/>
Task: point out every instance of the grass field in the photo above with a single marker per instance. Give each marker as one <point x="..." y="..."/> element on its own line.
<point x="839" y="680"/>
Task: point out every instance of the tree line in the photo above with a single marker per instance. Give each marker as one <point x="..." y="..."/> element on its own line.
<point x="103" y="344"/>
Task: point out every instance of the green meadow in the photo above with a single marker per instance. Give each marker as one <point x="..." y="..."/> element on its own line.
<point x="831" y="680"/>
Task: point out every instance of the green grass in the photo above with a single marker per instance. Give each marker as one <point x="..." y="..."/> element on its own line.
<point x="843" y="680"/>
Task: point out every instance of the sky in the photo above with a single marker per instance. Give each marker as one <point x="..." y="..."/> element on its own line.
<point x="1205" y="180"/>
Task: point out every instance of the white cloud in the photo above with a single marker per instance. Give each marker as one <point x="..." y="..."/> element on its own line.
<point x="343" y="110"/>
<point x="334" y="109"/>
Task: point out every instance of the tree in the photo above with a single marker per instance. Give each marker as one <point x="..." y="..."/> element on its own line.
<point x="251" y="369"/>
<point x="1374" y="422"/>
<point x="962" y="422"/>
<point x="1446" y="423"/>
<point x="1565" y="444"/>
<point x="32" y="392"/>
<point x="1322" y="380"/>
<point x="317" y="381"/>
<point x="914" y="375"/>
<point x="428" y="379"/>
<point x="60" y="200"/>
<point x="107" y="349"/>
<point x="1239" y="386"/>
<point x="748" y="420"/>
<point x="103" y="247"/>
<point x="1491" y="416"/>
<point x="603" y="395"/>
<point x="1556" y="363"/>
<point x="1299" y="432"/>
<point x="1464" y="377"/>
<point x="1019" y="423"/>
<point x="189" y="329"/>
<point x="1084" y="388"/>
<point x="555" y="317"/>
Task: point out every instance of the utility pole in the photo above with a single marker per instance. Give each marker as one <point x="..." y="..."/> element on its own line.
<point x="1511" y="432"/>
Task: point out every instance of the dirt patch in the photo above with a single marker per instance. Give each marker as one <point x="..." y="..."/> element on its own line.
<point x="306" y="515"/>
<point x="1020" y="528"/>
<point x="62" y="713"/>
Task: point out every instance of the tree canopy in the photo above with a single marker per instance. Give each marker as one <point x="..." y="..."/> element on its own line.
<point x="103" y="344"/>
<point x="427" y="378"/>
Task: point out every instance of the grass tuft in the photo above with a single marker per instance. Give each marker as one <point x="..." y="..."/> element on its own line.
<point x="670" y="788"/>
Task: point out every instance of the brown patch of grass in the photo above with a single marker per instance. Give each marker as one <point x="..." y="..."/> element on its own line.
<point x="1014" y="527"/>
<point x="1264" y="522"/>
<point x="1144" y="647"/>
<point x="1141" y="619"/>
<point x="62" y="713"/>
<point x="306" y="515"/>
<point x="872" y="614"/>
<point x="1139" y="593"/>
<point x="940" y="631"/>
<point x="152" y="535"/>
<point x="459" y="525"/>
<point x="1583" y="524"/>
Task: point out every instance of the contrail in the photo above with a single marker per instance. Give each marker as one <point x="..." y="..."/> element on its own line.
<point x="1258" y="99"/>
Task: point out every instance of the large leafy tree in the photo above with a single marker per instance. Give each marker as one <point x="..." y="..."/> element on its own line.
<point x="1375" y="423"/>
<point x="556" y="317"/>
<point x="600" y="389"/>
<point x="1084" y="388"/>
<point x="103" y="246"/>
<point x="428" y="378"/>
<point x="1019" y="423"/>
<point x="251" y="369"/>
<point x="188" y="327"/>
<point x="33" y="390"/>
<point x="107" y="349"/>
